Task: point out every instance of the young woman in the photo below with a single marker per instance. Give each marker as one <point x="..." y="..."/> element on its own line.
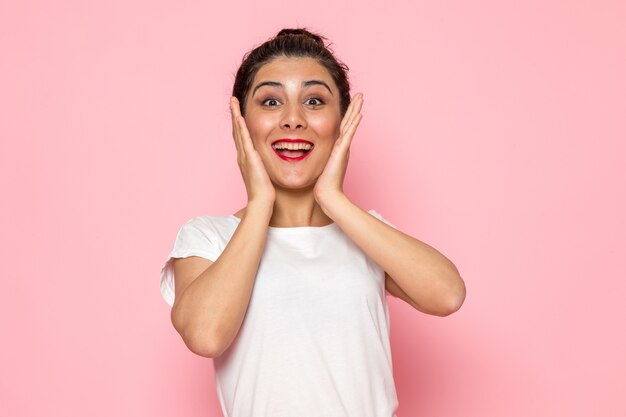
<point x="287" y="295"/>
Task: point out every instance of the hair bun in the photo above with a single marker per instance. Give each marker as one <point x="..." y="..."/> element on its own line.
<point x="302" y="32"/>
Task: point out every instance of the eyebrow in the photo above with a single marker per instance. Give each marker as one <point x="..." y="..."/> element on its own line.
<point x="304" y="84"/>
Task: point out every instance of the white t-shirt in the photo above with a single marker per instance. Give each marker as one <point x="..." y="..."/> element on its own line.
<point x="315" y="338"/>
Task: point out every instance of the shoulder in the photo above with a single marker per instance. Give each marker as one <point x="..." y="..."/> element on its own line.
<point x="210" y="222"/>
<point x="210" y="227"/>
<point x="205" y="218"/>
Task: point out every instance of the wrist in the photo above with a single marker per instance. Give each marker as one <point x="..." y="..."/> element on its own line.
<point x="331" y="202"/>
<point x="260" y="207"/>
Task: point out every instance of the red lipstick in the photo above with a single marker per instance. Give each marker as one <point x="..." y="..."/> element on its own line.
<point x="290" y="159"/>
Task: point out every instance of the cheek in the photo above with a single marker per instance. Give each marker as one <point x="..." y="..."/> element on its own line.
<point x="259" y="127"/>
<point x="325" y="127"/>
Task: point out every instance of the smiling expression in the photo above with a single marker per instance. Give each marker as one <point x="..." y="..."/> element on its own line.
<point x="293" y="98"/>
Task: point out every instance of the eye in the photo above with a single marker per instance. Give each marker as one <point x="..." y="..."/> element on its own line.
<point x="315" y="98"/>
<point x="268" y="99"/>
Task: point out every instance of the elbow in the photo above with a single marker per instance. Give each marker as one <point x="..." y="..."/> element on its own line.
<point x="202" y="344"/>
<point x="203" y="349"/>
<point x="455" y="299"/>
<point x="197" y="340"/>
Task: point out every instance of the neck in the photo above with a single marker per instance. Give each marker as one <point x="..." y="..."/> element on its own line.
<point x="294" y="208"/>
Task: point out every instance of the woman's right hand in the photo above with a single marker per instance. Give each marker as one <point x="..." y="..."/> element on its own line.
<point x="258" y="185"/>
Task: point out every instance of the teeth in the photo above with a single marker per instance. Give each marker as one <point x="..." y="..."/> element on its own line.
<point x="292" y="146"/>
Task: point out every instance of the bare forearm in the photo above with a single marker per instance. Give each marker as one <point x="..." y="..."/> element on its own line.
<point x="430" y="279"/>
<point x="212" y="308"/>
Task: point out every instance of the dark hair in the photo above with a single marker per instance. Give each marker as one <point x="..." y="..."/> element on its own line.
<point x="297" y="43"/>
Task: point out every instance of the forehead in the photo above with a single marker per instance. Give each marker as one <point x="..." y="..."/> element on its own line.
<point x="293" y="70"/>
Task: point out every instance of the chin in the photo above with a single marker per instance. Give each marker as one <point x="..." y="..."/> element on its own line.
<point x="295" y="184"/>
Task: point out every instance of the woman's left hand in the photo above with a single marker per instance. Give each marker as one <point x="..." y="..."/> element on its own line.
<point x="330" y="182"/>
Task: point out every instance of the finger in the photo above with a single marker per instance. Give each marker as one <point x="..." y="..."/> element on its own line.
<point x="350" y="112"/>
<point x="233" y="118"/>
<point x="353" y="111"/>
<point x="356" y="111"/>
<point x="346" y="116"/>
<point x="346" y="139"/>
<point x="234" y="106"/>
<point x="350" y="123"/>
<point x="245" y="135"/>
<point x="232" y="122"/>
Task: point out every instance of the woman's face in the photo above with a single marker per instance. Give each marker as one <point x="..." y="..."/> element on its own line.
<point x="293" y="98"/>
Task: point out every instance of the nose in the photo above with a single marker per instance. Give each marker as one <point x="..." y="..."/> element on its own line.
<point x="293" y="117"/>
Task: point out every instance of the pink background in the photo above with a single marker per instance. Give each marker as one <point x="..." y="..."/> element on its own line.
<point x="494" y="132"/>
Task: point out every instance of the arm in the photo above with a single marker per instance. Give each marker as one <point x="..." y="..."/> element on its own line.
<point x="209" y="308"/>
<point x="424" y="277"/>
<point x="427" y="278"/>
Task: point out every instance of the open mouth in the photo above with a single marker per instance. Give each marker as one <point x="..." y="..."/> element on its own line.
<point x="293" y="150"/>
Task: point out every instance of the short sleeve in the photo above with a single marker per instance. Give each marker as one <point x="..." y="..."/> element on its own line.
<point x="381" y="218"/>
<point x="193" y="239"/>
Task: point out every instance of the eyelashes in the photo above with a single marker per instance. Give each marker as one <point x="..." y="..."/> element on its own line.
<point x="264" y="101"/>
